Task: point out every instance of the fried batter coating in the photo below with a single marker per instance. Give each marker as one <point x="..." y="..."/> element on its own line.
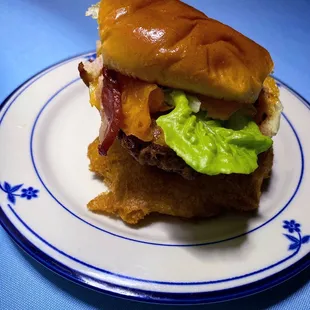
<point x="137" y="190"/>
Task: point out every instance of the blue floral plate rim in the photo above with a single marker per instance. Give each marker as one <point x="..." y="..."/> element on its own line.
<point x="149" y="296"/>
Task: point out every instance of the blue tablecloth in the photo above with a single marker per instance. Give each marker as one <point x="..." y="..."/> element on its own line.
<point x="35" y="34"/>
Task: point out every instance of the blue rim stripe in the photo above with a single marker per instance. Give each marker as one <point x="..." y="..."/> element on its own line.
<point x="147" y="242"/>
<point x="147" y="296"/>
<point x="20" y="89"/>
<point x="293" y="92"/>
<point x="144" y="280"/>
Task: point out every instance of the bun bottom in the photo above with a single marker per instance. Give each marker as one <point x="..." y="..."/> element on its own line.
<point x="136" y="190"/>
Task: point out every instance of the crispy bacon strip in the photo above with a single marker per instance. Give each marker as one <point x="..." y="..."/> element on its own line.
<point x="111" y="111"/>
<point x="84" y="74"/>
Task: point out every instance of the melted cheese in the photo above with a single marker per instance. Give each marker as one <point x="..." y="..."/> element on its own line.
<point x="223" y="110"/>
<point x="139" y="100"/>
<point x="93" y="100"/>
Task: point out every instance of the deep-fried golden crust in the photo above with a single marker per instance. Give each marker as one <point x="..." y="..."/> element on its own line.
<point x="136" y="190"/>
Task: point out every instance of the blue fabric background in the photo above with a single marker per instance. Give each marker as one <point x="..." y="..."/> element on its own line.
<point x="35" y="34"/>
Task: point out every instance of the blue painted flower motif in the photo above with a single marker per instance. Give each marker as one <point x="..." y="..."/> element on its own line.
<point x="29" y="193"/>
<point x="291" y="226"/>
<point x="294" y="228"/>
<point x="12" y="192"/>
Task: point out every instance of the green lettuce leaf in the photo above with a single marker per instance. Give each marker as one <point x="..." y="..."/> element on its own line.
<point x="211" y="146"/>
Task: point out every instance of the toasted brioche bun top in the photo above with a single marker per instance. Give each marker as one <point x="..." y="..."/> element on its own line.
<point x="172" y="44"/>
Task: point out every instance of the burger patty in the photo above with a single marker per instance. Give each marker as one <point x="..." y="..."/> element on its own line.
<point x="152" y="154"/>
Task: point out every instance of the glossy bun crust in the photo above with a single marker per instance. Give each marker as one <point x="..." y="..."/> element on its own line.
<point x="172" y="44"/>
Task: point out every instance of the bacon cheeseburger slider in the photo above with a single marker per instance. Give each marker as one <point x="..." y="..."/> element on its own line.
<point x="187" y="110"/>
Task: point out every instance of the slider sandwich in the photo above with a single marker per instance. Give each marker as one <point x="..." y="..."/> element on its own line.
<point x="188" y="111"/>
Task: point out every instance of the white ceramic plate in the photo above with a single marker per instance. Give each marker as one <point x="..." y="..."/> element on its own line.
<point x="46" y="126"/>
